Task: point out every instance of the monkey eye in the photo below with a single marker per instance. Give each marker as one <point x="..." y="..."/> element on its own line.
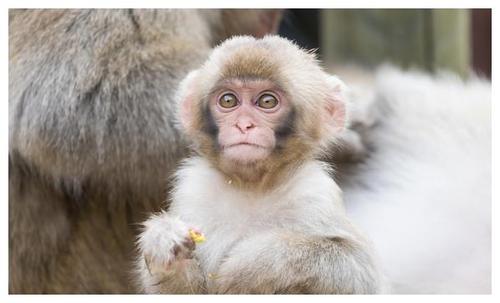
<point x="228" y="100"/>
<point x="267" y="101"/>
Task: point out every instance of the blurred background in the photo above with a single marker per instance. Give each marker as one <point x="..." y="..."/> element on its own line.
<point x="457" y="40"/>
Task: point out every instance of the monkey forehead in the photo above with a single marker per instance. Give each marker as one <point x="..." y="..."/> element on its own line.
<point x="271" y="57"/>
<point x="247" y="83"/>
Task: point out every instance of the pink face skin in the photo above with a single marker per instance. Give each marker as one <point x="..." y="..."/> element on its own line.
<point x="246" y="130"/>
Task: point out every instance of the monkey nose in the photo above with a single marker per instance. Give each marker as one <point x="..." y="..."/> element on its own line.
<point x="244" y="126"/>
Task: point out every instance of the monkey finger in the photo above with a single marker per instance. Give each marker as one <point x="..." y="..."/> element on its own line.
<point x="189" y="243"/>
<point x="184" y="250"/>
<point x="184" y="253"/>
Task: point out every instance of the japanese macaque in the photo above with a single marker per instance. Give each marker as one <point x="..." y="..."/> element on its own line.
<point x="91" y="134"/>
<point x="258" y="112"/>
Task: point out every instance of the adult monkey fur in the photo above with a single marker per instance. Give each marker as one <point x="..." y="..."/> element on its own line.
<point x="91" y="136"/>
<point x="273" y="217"/>
<point x="422" y="192"/>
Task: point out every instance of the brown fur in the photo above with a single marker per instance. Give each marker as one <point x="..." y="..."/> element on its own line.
<point x="252" y="63"/>
<point x="91" y="135"/>
<point x="259" y="22"/>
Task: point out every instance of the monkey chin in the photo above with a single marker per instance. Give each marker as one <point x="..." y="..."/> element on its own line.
<point x="246" y="153"/>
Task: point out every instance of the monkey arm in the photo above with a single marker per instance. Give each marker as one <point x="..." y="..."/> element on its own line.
<point x="284" y="261"/>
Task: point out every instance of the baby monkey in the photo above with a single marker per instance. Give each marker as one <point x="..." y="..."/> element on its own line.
<point x="258" y="111"/>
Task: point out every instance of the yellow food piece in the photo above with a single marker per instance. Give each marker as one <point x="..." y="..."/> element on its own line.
<point x="196" y="236"/>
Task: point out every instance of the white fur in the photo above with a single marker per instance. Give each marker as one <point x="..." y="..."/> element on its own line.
<point x="424" y="194"/>
<point x="296" y="236"/>
<point x="156" y="243"/>
<point x="161" y="234"/>
<point x="241" y="226"/>
<point x="204" y="199"/>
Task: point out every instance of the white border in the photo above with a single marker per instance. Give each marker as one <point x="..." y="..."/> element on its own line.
<point x="241" y="4"/>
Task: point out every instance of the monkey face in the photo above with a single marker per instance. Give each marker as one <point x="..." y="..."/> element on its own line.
<point x="247" y="114"/>
<point x="254" y="113"/>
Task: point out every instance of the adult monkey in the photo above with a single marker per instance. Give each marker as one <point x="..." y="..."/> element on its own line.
<point x="91" y="137"/>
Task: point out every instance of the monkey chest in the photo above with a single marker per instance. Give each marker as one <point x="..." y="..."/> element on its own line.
<point x="227" y="226"/>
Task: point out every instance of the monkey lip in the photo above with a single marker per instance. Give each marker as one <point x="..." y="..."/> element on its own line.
<point x="244" y="144"/>
<point x="245" y="152"/>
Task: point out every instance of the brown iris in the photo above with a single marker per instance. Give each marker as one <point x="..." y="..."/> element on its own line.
<point x="228" y="100"/>
<point x="267" y="101"/>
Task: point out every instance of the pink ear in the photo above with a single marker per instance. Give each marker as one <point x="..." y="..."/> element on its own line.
<point x="336" y="104"/>
<point x="185" y="99"/>
<point x="186" y="113"/>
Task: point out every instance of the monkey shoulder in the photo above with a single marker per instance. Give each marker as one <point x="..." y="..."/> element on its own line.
<point x="315" y="198"/>
<point x="313" y="179"/>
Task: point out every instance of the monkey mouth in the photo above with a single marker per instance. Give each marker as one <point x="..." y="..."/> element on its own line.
<point x="244" y="144"/>
<point x="245" y="152"/>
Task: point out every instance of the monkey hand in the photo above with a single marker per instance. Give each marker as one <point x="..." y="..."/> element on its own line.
<point x="166" y="244"/>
